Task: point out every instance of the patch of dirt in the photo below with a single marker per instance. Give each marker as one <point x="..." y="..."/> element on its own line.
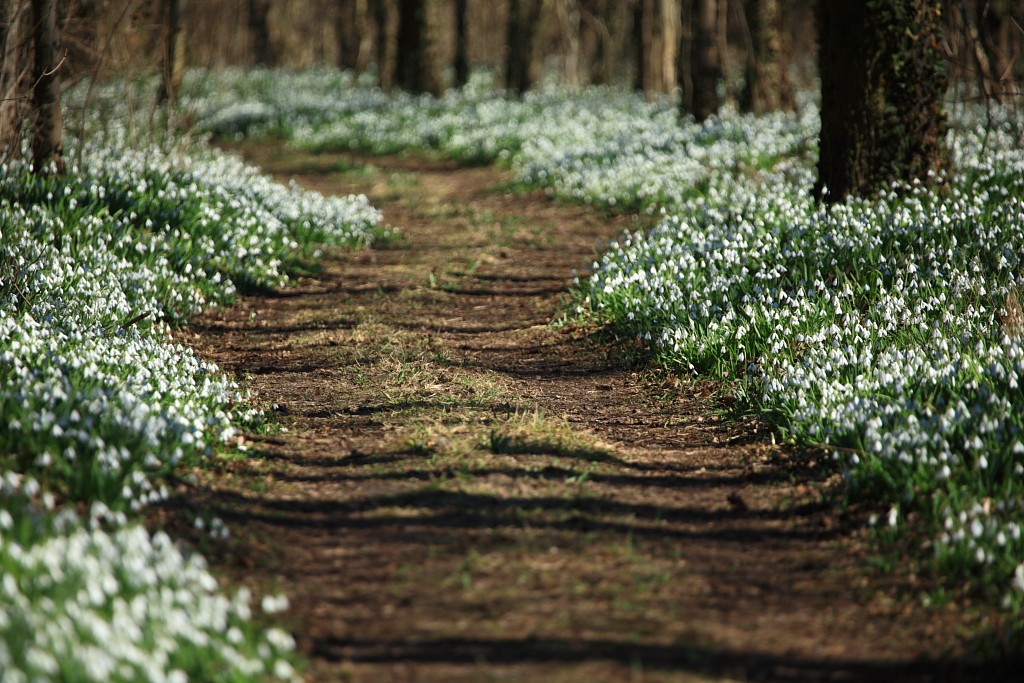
<point x="466" y="492"/>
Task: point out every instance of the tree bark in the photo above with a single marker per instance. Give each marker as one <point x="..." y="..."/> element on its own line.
<point x="767" y="87"/>
<point x="263" y="52"/>
<point x="523" y="20"/>
<point x="48" y="132"/>
<point x="173" y="66"/>
<point x="461" y="64"/>
<point x="706" y="60"/>
<point x="882" y="80"/>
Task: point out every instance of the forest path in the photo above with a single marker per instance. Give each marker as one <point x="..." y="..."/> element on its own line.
<point x="468" y="493"/>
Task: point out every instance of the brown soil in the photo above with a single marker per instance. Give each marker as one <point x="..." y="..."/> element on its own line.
<point x="466" y="492"/>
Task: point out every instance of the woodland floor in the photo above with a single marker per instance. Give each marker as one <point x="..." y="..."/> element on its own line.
<point x="466" y="492"/>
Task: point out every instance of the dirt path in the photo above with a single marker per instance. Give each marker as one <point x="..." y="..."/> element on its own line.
<point x="467" y="493"/>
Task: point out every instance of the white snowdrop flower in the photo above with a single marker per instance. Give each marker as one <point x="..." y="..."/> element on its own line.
<point x="894" y="516"/>
<point x="272" y="604"/>
<point x="31" y="487"/>
<point x="280" y="640"/>
<point x="977" y="529"/>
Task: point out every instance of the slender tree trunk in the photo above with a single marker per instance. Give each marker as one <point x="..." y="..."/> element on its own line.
<point x="669" y="24"/>
<point x="767" y="87"/>
<point x="259" y="28"/>
<point x="882" y="80"/>
<point x="523" y="21"/>
<point x="461" y="43"/>
<point x="706" y="60"/>
<point x="640" y="46"/>
<point x="173" y="66"/>
<point x="415" y="70"/>
<point x="48" y="132"/>
<point x="385" y="64"/>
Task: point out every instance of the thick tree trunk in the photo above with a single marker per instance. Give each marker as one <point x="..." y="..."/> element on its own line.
<point x="523" y="21"/>
<point x="15" y="72"/>
<point x="461" y="62"/>
<point x="570" y="22"/>
<point x="351" y="29"/>
<point x="263" y="52"/>
<point x="660" y="37"/>
<point x="173" y="66"/>
<point x="705" y="60"/>
<point x="767" y="87"/>
<point x="992" y="26"/>
<point x="882" y="80"/>
<point x="415" y="70"/>
<point x="598" y="47"/>
<point x="48" y="132"/>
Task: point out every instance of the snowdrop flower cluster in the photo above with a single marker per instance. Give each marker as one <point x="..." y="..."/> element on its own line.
<point x="888" y="332"/>
<point x="123" y="605"/>
<point x="100" y="410"/>
<point x="104" y="408"/>
<point x="253" y="102"/>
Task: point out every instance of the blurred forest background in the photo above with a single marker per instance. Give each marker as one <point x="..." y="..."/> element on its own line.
<point x="750" y="52"/>
<point x="884" y="66"/>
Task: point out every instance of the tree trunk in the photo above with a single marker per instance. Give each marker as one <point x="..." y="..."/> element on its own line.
<point x="48" y="133"/>
<point x="598" y="47"/>
<point x="659" y="35"/>
<point x="640" y="47"/>
<point x="415" y="70"/>
<point x="706" y="60"/>
<point x="992" y="26"/>
<point x="352" y="31"/>
<point x="570" y="22"/>
<point x="259" y="28"/>
<point x="349" y="34"/>
<point x="15" y="69"/>
<point x="461" y="43"/>
<point x="173" y="66"/>
<point x="670" y="25"/>
<point x="523" y="21"/>
<point x="767" y="87"/>
<point x="385" y="63"/>
<point x="882" y="80"/>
